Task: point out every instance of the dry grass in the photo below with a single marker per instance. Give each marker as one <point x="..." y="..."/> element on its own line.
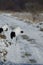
<point x="27" y="16"/>
<point x="2" y="36"/>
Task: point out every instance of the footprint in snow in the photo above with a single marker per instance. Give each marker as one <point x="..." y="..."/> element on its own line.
<point x="37" y="26"/>
<point x="40" y="23"/>
<point x="25" y="37"/>
<point x="26" y="54"/>
<point x="41" y="29"/>
<point x="28" y="39"/>
<point x="32" y="41"/>
<point x="32" y="60"/>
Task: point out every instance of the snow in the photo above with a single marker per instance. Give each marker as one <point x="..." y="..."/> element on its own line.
<point x="31" y="43"/>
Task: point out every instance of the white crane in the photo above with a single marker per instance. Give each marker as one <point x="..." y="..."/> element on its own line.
<point x="16" y="32"/>
<point x="5" y="27"/>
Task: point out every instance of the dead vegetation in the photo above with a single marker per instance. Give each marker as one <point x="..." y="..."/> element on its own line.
<point x="2" y="36"/>
<point x="27" y="16"/>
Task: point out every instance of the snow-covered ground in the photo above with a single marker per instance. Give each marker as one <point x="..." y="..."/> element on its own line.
<point x="29" y="46"/>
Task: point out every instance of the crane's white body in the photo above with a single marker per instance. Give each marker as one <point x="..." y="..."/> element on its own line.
<point x="5" y="27"/>
<point x="17" y="31"/>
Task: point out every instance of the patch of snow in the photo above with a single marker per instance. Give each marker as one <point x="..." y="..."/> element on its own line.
<point x="16" y="53"/>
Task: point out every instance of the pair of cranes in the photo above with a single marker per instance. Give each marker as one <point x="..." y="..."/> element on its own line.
<point x="14" y="33"/>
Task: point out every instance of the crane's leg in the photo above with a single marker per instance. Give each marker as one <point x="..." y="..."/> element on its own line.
<point x="16" y="40"/>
